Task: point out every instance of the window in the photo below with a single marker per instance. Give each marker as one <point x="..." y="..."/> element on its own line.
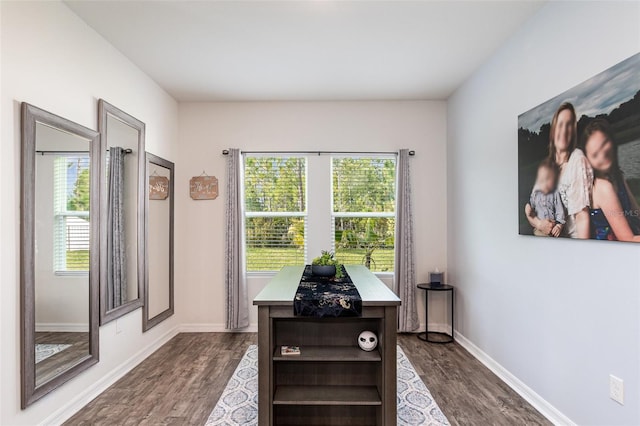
<point x="275" y="212"/>
<point x="350" y="209"/>
<point x="71" y="214"/>
<point x="364" y="197"/>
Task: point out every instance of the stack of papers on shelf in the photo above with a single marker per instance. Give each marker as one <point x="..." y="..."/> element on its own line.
<point x="290" y="350"/>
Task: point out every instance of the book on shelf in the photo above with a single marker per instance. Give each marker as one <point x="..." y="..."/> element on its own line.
<point x="290" y="350"/>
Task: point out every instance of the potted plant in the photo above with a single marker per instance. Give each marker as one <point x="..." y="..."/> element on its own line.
<point x="326" y="265"/>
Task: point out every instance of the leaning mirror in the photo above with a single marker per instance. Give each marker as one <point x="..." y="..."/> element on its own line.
<point x="158" y="304"/>
<point x="59" y="251"/>
<point x="121" y="265"/>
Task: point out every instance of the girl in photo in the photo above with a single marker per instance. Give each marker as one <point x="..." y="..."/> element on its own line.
<point x="615" y="214"/>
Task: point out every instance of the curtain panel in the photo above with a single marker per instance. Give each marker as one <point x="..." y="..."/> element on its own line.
<point x="116" y="260"/>
<point x="405" y="273"/>
<point x="237" y="300"/>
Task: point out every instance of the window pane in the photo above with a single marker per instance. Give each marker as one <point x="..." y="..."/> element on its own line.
<point x="77" y="184"/>
<point x="274" y="242"/>
<point x="364" y="184"/>
<point x="71" y="204"/>
<point x="77" y="243"/>
<point x="365" y="241"/>
<point x="275" y="184"/>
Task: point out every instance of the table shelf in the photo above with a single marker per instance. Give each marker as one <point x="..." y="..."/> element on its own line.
<point x="326" y="395"/>
<point x="329" y="354"/>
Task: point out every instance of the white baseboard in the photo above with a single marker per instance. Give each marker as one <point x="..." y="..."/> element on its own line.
<point x="214" y="328"/>
<point x="543" y="406"/>
<point x="65" y="412"/>
<point x="62" y="327"/>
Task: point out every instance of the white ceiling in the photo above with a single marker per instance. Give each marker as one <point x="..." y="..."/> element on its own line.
<point x="307" y="50"/>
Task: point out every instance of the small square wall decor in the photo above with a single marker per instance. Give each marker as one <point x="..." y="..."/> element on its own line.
<point x="203" y="187"/>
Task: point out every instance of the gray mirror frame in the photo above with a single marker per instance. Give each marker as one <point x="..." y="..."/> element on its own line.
<point x="147" y="322"/>
<point x="32" y="115"/>
<point x="104" y="110"/>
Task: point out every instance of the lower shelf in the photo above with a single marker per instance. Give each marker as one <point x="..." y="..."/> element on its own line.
<point x="329" y="354"/>
<point x="326" y="395"/>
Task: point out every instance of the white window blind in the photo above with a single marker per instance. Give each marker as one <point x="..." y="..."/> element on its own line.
<point x="275" y="194"/>
<point x="71" y="181"/>
<point x="364" y="196"/>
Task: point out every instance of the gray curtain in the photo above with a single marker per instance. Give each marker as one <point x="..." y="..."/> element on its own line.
<point x="116" y="259"/>
<point x="237" y="303"/>
<point x="405" y="273"/>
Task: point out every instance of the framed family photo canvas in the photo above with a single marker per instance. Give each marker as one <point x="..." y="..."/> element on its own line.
<point x="579" y="160"/>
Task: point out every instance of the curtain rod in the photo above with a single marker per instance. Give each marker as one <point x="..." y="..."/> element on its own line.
<point x="62" y="152"/>
<point x="126" y="151"/>
<point x="226" y="152"/>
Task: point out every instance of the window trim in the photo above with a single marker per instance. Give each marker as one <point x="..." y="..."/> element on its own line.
<point x="364" y="214"/>
<point x="275" y="214"/>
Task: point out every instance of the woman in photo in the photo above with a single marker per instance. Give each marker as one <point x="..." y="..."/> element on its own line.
<point x="615" y="212"/>
<point x="575" y="180"/>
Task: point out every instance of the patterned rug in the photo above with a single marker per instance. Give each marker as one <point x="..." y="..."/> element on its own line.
<point x="44" y="351"/>
<point x="238" y="404"/>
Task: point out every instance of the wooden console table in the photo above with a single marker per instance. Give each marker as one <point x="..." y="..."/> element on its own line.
<point x="332" y="381"/>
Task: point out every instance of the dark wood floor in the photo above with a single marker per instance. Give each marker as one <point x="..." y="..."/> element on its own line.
<point x="181" y="382"/>
<point x="50" y="367"/>
<point x="467" y="392"/>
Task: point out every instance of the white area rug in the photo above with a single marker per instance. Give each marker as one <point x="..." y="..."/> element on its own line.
<point x="238" y="404"/>
<point x="44" y="351"/>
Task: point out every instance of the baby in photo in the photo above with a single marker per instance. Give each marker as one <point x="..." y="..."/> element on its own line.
<point x="545" y="199"/>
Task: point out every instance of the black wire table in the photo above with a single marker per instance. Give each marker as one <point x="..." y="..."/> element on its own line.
<point x="444" y="337"/>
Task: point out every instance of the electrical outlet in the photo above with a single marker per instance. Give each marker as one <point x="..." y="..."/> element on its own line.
<point x="616" y="389"/>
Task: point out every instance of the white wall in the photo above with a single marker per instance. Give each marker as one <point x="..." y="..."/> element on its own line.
<point x="560" y="315"/>
<point x="52" y="59"/>
<point x="207" y="128"/>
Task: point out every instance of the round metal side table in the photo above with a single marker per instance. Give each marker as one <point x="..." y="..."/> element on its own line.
<point x="444" y="337"/>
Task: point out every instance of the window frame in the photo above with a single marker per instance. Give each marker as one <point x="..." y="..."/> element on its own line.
<point x="327" y="219"/>
<point x="392" y="215"/>
<point x="253" y="214"/>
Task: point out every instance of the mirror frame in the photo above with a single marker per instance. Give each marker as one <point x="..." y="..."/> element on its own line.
<point x="104" y="110"/>
<point x="147" y="322"/>
<point x="31" y="116"/>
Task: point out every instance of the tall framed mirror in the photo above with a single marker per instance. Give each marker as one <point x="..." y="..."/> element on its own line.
<point x="59" y="251"/>
<point x="122" y="203"/>
<point x="158" y="302"/>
